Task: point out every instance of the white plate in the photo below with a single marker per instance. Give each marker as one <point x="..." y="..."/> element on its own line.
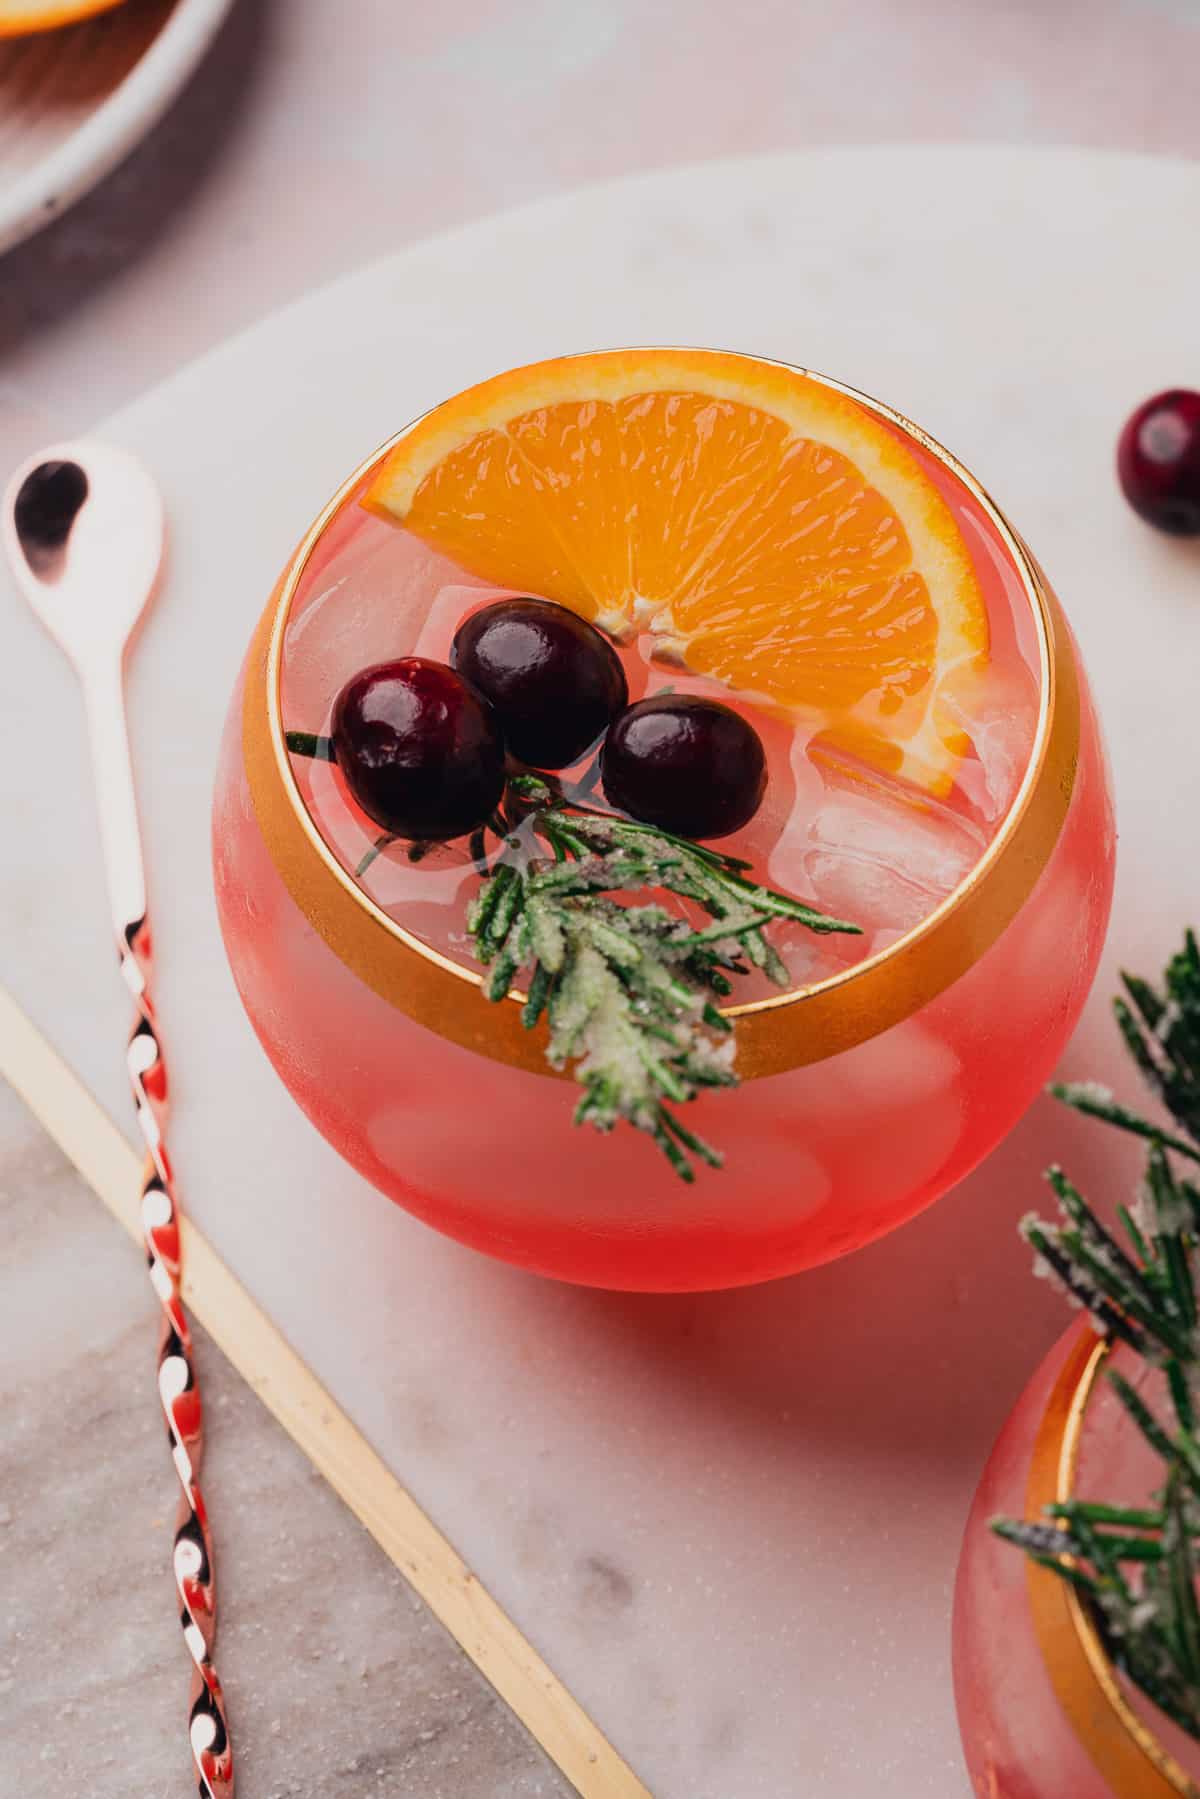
<point x="730" y="1523"/>
<point x="73" y="102"/>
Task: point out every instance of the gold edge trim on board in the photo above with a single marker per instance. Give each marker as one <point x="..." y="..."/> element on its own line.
<point x="1122" y="1746"/>
<point x="785" y="1031"/>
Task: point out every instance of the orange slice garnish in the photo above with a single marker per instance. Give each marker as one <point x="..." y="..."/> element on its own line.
<point x="764" y="528"/>
<point x="20" y="16"/>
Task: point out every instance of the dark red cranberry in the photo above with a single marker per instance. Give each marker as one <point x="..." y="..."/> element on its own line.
<point x="421" y="751"/>
<point x="687" y="765"/>
<point x="1158" y="461"/>
<point x="555" y="681"/>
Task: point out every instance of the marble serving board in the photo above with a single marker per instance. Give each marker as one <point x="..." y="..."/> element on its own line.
<point x="729" y="1522"/>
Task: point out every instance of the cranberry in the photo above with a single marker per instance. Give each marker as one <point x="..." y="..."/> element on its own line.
<point x="687" y="765"/>
<point x="1158" y="461"/>
<point x="555" y="681"/>
<point x="421" y="751"/>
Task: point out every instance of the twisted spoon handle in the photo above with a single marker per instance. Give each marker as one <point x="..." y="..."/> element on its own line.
<point x="192" y="1559"/>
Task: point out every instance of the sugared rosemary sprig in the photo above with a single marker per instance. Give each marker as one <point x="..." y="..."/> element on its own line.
<point x="1136" y="1568"/>
<point x="629" y="992"/>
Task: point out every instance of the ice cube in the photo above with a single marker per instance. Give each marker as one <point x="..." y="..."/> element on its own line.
<point x="882" y="856"/>
<point x="374" y="594"/>
<point x="810" y="957"/>
<point x="998" y="711"/>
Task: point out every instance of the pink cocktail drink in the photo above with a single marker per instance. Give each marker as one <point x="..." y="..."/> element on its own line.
<point x="891" y="1064"/>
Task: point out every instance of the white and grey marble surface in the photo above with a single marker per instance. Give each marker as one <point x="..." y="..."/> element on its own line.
<point x="341" y="1682"/>
<point x="730" y="1523"/>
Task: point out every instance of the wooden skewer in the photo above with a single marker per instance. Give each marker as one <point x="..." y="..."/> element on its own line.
<point x="266" y="1361"/>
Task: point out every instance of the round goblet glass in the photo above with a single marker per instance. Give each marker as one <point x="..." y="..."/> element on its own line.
<point x="864" y="1096"/>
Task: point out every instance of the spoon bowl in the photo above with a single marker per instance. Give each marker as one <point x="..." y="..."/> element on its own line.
<point x="84" y="531"/>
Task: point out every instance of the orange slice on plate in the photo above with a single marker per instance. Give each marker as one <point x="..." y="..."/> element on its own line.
<point x="20" y="16"/>
<point x="764" y="528"/>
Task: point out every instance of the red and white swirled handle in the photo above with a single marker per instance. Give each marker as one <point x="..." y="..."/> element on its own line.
<point x="178" y="1392"/>
<point x="192" y="1557"/>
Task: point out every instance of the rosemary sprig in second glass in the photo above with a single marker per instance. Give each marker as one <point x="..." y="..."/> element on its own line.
<point x="1136" y="1568"/>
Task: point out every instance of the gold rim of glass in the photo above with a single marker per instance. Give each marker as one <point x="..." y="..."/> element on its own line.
<point x="1121" y="1743"/>
<point x="803" y="1025"/>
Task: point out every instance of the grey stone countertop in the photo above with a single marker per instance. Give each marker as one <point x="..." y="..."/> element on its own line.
<point x="340" y="1680"/>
